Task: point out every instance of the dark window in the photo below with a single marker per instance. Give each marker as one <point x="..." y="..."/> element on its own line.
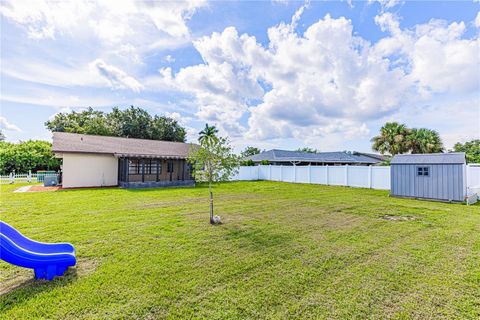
<point x="170" y="166"/>
<point x="151" y="166"/>
<point x="134" y="166"/>
<point x="423" y="171"/>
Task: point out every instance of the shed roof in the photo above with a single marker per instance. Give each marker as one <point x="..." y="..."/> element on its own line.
<point x="64" y="142"/>
<point x="430" y="158"/>
<point x="276" y="155"/>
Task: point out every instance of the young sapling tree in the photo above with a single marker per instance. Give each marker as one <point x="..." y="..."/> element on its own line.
<point x="213" y="161"/>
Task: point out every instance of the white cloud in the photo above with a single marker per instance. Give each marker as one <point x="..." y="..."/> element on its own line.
<point x="116" y="77"/>
<point x="386" y="4"/>
<point x="111" y="20"/>
<point x="57" y="100"/>
<point x="458" y="118"/>
<point x="477" y="20"/>
<point x="44" y="19"/>
<point x="5" y="125"/>
<point x="169" y="59"/>
<point x="326" y="81"/>
<point x="435" y="55"/>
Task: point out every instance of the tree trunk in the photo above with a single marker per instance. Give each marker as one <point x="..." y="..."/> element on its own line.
<point x="211" y="202"/>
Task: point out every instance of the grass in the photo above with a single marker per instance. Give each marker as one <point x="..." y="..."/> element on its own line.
<point x="284" y="251"/>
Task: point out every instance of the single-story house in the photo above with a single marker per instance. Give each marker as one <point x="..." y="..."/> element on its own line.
<point x="100" y="161"/>
<point x="285" y="157"/>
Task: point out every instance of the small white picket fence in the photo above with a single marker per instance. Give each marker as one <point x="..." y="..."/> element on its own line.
<point x="24" y="177"/>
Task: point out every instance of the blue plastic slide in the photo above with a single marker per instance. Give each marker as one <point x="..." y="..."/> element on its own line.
<point x="46" y="259"/>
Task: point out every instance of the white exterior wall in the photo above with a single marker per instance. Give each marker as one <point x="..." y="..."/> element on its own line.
<point x="89" y="170"/>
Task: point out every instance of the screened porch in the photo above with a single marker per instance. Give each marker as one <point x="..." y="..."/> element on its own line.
<point x="135" y="172"/>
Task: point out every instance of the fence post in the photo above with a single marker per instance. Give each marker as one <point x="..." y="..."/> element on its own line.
<point x="294" y="173"/>
<point x="12" y="177"/>
<point x="270" y="172"/>
<point x="29" y="177"/>
<point x="309" y="173"/>
<point x="326" y="174"/>
<point x="346" y="175"/>
<point x="281" y="173"/>
<point x="370" y="177"/>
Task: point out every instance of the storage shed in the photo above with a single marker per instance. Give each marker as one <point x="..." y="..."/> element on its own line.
<point x="439" y="176"/>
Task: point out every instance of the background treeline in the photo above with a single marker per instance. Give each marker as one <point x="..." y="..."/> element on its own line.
<point x="471" y="149"/>
<point x="28" y="155"/>
<point x="130" y="123"/>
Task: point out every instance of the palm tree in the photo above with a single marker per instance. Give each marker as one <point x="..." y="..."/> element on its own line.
<point x="208" y="139"/>
<point x="208" y="135"/>
<point x="424" y="141"/>
<point x="392" y="139"/>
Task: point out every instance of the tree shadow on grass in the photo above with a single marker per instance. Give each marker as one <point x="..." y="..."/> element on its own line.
<point x="22" y="289"/>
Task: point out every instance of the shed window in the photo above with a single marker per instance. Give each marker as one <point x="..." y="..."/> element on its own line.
<point x="423" y="171"/>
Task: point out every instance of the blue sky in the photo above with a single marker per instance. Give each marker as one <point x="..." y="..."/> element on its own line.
<point x="273" y="74"/>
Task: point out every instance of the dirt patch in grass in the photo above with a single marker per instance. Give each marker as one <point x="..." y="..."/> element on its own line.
<point x="42" y="188"/>
<point x="25" y="277"/>
<point x="16" y="280"/>
<point x="398" y="218"/>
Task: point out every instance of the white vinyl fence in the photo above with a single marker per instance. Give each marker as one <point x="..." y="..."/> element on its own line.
<point x="352" y="176"/>
<point x="473" y="178"/>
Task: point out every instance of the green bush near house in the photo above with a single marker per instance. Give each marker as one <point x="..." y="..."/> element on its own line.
<point x="28" y="155"/>
<point x="284" y="251"/>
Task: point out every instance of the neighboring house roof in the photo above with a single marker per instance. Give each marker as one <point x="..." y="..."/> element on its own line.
<point x="430" y="158"/>
<point x="379" y="157"/>
<point x="322" y="157"/>
<point x="120" y="147"/>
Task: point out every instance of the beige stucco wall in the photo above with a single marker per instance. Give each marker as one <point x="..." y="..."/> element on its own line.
<point x="89" y="170"/>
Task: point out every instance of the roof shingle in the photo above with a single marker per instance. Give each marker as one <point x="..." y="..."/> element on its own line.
<point x="322" y="157"/>
<point x="64" y="142"/>
<point x="430" y="158"/>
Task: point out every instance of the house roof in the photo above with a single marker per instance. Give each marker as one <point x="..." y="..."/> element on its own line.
<point x="430" y="158"/>
<point x="379" y="157"/>
<point x="120" y="147"/>
<point x="276" y="155"/>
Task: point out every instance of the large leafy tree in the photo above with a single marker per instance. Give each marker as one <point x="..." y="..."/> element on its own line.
<point x="31" y="155"/>
<point x="2" y="136"/>
<point x="392" y="139"/>
<point x="471" y="149"/>
<point x="249" y="151"/>
<point x="307" y="150"/>
<point x="212" y="161"/>
<point x="424" y="141"/>
<point x="132" y="122"/>
<point x="88" y="121"/>
<point x="168" y="129"/>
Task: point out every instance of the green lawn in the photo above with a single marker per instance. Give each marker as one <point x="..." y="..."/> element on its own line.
<point x="284" y="251"/>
